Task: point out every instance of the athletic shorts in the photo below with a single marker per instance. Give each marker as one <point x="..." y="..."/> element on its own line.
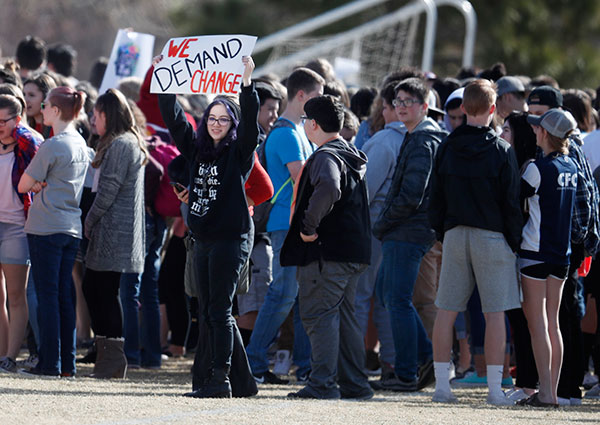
<point x="473" y="256"/>
<point x="14" y="248"/>
<point x="542" y="271"/>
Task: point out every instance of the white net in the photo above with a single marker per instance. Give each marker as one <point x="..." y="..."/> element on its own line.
<point x="360" y="59"/>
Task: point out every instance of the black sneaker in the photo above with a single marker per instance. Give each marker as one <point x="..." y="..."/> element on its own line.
<point x="426" y="375"/>
<point x="8" y="365"/>
<point x="306" y="393"/>
<point x="399" y="385"/>
<point x="269" y="378"/>
<point x="36" y="372"/>
<point x="366" y="394"/>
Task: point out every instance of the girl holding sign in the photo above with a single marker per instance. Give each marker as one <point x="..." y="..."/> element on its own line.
<point x="221" y="154"/>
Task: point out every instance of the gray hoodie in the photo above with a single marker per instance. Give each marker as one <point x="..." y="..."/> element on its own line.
<point x="382" y="150"/>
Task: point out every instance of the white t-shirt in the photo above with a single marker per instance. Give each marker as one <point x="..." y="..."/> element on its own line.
<point x="11" y="207"/>
<point x="591" y="149"/>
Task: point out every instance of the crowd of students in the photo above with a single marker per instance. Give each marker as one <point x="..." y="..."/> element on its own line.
<point x="427" y="230"/>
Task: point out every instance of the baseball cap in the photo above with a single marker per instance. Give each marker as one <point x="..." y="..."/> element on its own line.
<point x="557" y="122"/>
<point x="509" y="84"/>
<point x="545" y="95"/>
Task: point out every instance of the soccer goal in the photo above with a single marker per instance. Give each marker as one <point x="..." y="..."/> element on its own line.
<point x="364" y="54"/>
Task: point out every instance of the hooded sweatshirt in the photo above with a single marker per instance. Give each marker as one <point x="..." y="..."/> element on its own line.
<point x="476" y="184"/>
<point x="331" y="201"/>
<point x="404" y="214"/>
<point x="382" y="150"/>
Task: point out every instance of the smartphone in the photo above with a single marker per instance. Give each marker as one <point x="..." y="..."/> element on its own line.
<point x="178" y="186"/>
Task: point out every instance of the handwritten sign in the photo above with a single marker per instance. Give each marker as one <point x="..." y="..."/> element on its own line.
<point x="131" y="56"/>
<point x="209" y="64"/>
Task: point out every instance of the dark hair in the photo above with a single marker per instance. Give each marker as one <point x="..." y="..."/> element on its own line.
<point x="402" y="73"/>
<point x="43" y="81"/>
<point x="350" y="120"/>
<point x="68" y="101"/>
<point x="15" y="92"/>
<point x="303" y="79"/>
<point x="62" y="57"/>
<point x="579" y="103"/>
<point x="119" y="120"/>
<point x="91" y="95"/>
<point x="97" y="71"/>
<point x="31" y="52"/>
<point x="11" y="103"/>
<point x="445" y="88"/>
<point x="544" y="80"/>
<point x="267" y="91"/>
<point x="362" y="100"/>
<point x="523" y="137"/>
<point x="322" y="67"/>
<point x="415" y="87"/>
<point x="9" y="76"/>
<point x="207" y="151"/>
<point x="389" y="93"/>
<point x="494" y="73"/>
<point x="337" y="89"/>
<point x="327" y="111"/>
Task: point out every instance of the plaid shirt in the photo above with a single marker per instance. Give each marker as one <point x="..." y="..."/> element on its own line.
<point x="586" y="220"/>
<point x="27" y="145"/>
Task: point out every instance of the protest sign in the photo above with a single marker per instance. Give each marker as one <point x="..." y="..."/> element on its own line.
<point x="131" y="56"/>
<point x="209" y="64"/>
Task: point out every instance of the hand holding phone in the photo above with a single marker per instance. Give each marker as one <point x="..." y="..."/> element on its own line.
<point x="178" y="186"/>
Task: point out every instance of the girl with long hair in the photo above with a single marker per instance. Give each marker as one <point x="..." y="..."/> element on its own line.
<point x="114" y="226"/>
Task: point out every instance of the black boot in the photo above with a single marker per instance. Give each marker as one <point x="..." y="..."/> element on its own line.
<point x="217" y="386"/>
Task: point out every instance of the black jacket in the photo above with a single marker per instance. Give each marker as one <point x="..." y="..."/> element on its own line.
<point x="332" y="201"/>
<point x="217" y="203"/>
<point x="404" y="215"/>
<point x="476" y="184"/>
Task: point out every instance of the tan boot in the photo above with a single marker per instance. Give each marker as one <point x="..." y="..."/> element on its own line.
<point x="111" y="361"/>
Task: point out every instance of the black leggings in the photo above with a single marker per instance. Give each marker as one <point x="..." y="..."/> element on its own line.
<point x="171" y="290"/>
<point x="101" y="291"/>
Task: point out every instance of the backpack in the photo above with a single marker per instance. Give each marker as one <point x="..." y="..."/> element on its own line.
<point x="263" y="211"/>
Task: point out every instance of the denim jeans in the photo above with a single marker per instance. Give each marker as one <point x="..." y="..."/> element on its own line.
<point x="365" y="291"/>
<point x="52" y="259"/>
<point x="279" y="300"/>
<point x="395" y="285"/>
<point x="32" y="304"/>
<point x="142" y="339"/>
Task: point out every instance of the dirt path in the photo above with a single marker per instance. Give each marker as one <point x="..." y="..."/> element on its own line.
<point x="154" y="397"/>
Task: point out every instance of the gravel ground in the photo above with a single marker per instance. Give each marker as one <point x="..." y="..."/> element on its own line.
<point x="154" y="397"/>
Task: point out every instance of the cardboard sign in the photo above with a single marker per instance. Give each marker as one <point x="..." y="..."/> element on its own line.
<point x="209" y="64"/>
<point x="131" y="56"/>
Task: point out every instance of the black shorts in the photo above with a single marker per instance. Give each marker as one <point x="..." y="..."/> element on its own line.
<point x="541" y="271"/>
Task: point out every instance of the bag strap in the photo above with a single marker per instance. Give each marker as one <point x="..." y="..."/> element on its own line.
<point x="274" y="198"/>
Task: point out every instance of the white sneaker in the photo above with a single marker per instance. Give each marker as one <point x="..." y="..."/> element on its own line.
<point x="516" y="395"/>
<point x="589" y="380"/>
<point x="443" y="397"/>
<point x="563" y="401"/>
<point x="283" y="362"/>
<point x="594" y="392"/>
<point x="499" y="399"/>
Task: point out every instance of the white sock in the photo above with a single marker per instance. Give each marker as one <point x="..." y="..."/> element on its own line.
<point x="494" y="378"/>
<point x="442" y="376"/>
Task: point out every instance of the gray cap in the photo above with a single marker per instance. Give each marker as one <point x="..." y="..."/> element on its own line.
<point x="509" y="85"/>
<point x="557" y="122"/>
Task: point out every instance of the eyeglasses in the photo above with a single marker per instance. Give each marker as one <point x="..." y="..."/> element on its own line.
<point x="222" y="121"/>
<point x="43" y="105"/>
<point x="304" y="118"/>
<point x="406" y="102"/>
<point x="3" y="122"/>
